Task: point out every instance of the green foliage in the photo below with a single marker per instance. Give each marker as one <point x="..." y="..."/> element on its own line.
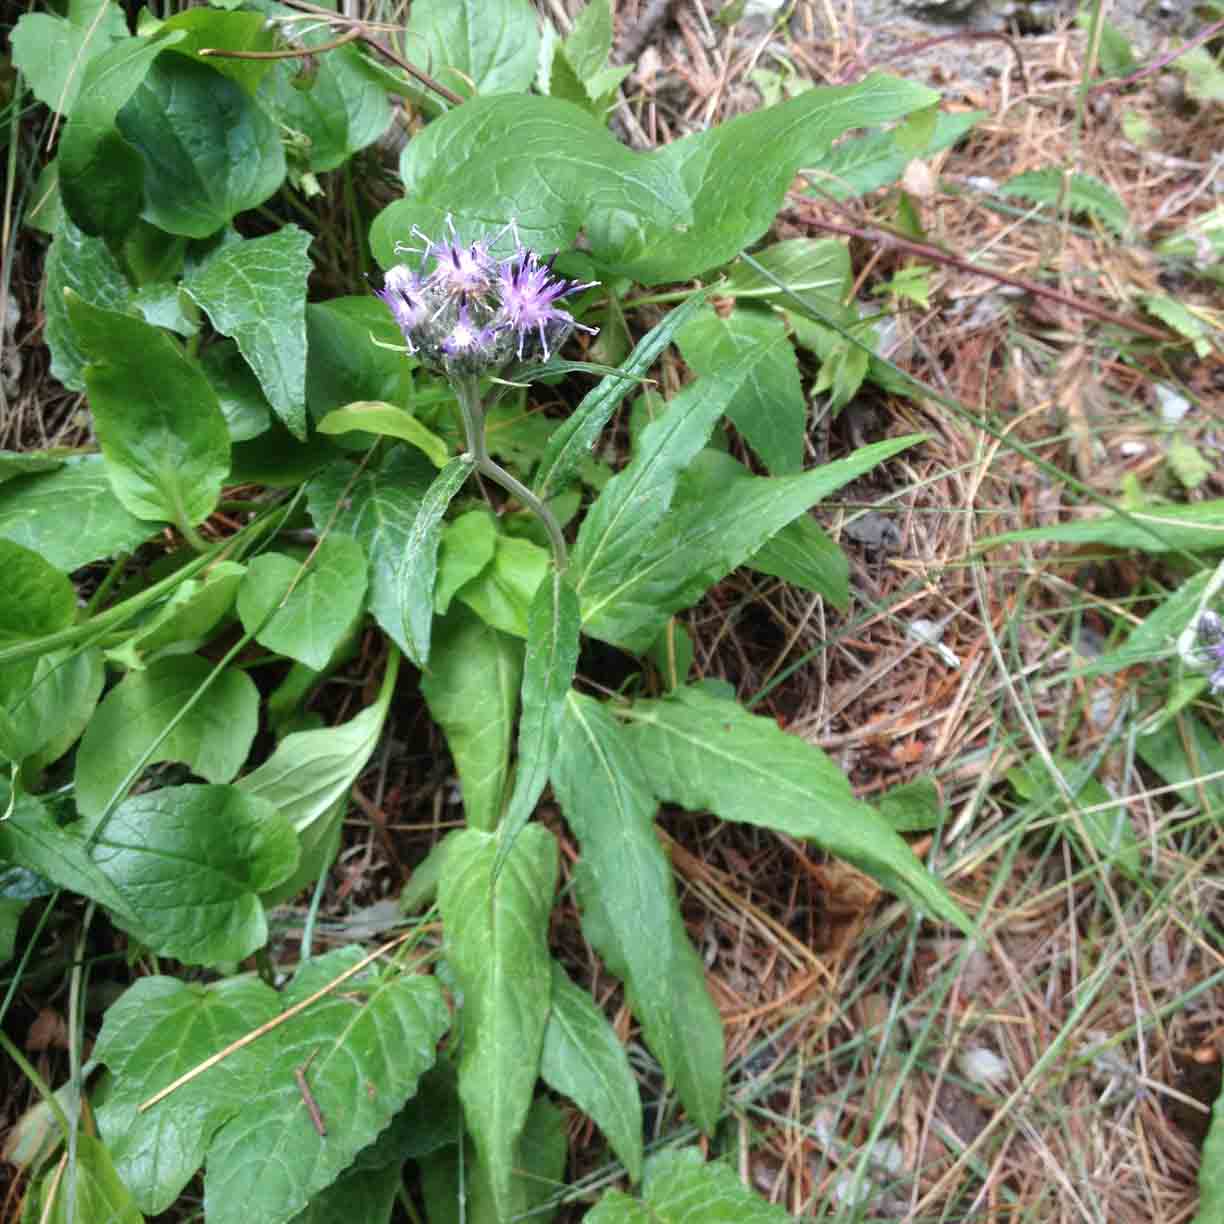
<point x="1078" y="193"/>
<point x="156" y="659"/>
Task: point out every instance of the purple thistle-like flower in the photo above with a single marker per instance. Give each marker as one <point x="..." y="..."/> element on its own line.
<point x="528" y="290"/>
<point x="1211" y="634"/>
<point x="472" y="315"/>
<point x="403" y="293"/>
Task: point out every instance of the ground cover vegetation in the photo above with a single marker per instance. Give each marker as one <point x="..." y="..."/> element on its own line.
<point x="612" y="630"/>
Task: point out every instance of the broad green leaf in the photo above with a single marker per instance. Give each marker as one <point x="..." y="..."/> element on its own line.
<point x="164" y="304"/>
<point x="70" y="517"/>
<point x="368" y="1046"/>
<point x="1077" y="192"/>
<point x="213" y="738"/>
<point x="161" y="1028"/>
<point x="305" y="613"/>
<point x="15" y="463"/>
<point x="378" y="509"/>
<point x="1198" y="527"/>
<point x="489" y="46"/>
<point x="190" y="862"/>
<point x="311" y="770"/>
<point x="195" y="608"/>
<point x="667" y="215"/>
<point x="418" y="566"/>
<point x="157" y="418"/>
<point x="629" y="908"/>
<point x="498" y="150"/>
<point x="357" y="1196"/>
<point x="30" y="837"/>
<point x="769" y="408"/>
<point x="52" y="52"/>
<point x="469" y="543"/>
<point x="681" y="1188"/>
<point x="86" y="266"/>
<point x="101" y="176"/>
<point x="46" y="702"/>
<point x="208" y="151"/>
<point x="502" y="594"/>
<point x="255" y="292"/>
<point x="472" y="688"/>
<point x="707" y="753"/>
<point x="90" y="1190"/>
<point x="243" y="403"/>
<point x="211" y="28"/>
<point x="585" y="1060"/>
<point x="548" y="672"/>
<point x="344" y="363"/>
<point x="736" y="174"/>
<point x="1211" y="1170"/>
<point x="338" y="109"/>
<point x="573" y="441"/>
<point x="703" y="540"/>
<point x="385" y="420"/>
<point x="589" y="43"/>
<point x="497" y="943"/>
<point x="860" y="164"/>
<point x="1105" y="823"/>
<point x="35" y="598"/>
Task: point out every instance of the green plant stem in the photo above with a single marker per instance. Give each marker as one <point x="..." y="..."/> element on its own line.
<point x="31" y="1073"/>
<point x="474" y="427"/>
<point x="112" y="576"/>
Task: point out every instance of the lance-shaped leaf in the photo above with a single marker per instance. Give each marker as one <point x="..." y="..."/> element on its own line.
<point x="472" y="688"/>
<point x="614" y="535"/>
<point x="707" y="753"/>
<point x="191" y="861"/>
<point x="255" y="292"/>
<point x="213" y="737"/>
<point x="585" y="1060"/>
<point x="367" y="1046"/>
<point x="630" y="913"/>
<point x="418" y="567"/>
<point x="158" y="419"/>
<point x="45" y="704"/>
<point x="703" y="540"/>
<point x="574" y="439"/>
<point x="552" y="658"/>
<point x="377" y="509"/>
<point x="309" y="776"/>
<point x="497" y="941"/>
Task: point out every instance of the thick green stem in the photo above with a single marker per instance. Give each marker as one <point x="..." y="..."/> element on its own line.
<point x="473" y="426"/>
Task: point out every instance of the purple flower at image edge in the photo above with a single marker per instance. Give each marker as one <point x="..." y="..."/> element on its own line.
<point x="1211" y="634"/>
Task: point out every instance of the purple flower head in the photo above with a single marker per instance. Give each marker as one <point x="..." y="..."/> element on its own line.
<point x="472" y="315"/>
<point x="528" y="290"/>
<point x="468" y="346"/>
<point x="1211" y="634"/>
<point x="403" y="293"/>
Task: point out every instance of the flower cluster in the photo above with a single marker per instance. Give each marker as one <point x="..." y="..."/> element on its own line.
<point x="1211" y="635"/>
<point x="472" y="314"/>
